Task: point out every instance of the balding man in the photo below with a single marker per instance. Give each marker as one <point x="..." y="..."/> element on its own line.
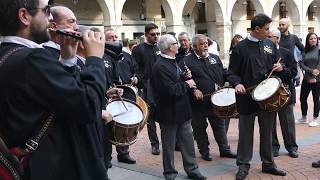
<point x="288" y="40"/>
<point x="291" y="42"/>
<point x="62" y="18"/>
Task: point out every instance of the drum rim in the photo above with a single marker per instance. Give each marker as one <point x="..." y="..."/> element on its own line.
<point x="274" y="77"/>
<point x="216" y="92"/>
<point x="133" y="88"/>
<point x="128" y="100"/>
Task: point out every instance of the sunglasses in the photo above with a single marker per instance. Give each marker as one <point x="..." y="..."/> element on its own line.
<point x="154" y="34"/>
<point x="46" y="10"/>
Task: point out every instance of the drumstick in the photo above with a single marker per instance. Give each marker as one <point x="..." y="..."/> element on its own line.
<point x="119" y="114"/>
<point x="120" y="98"/>
<point x="273" y="69"/>
<point x="122" y="101"/>
<point x="134" y="75"/>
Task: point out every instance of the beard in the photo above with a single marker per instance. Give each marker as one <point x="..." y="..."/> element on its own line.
<point x="39" y="36"/>
<point x="205" y="53"/>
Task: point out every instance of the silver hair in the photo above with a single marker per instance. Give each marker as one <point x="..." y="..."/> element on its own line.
<point x="165" y="41"/>
<point x="182" y="34"/>
<point x="275" y="32"/>
<point x="197" y="37"/>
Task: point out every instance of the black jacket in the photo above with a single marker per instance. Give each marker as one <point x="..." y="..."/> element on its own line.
<point x="145" y="55"/>
<point x="289" y="71"/>
<point x="171" y="93"/>
<point x="127" y="67"/>
<point x="290" y="41"/>
<point x="208" y="73"/>
<point x="34" y="84"/>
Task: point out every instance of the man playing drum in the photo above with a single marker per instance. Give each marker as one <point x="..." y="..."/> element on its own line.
<point x="171" y="91"/>
<point x="209" y="74"/>
<point x="118" y="70"/>
<point x="286" y="116"/>
<point x="250" y="63"/>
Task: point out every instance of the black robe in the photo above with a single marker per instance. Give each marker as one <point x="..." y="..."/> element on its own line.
<point x="208" y="73"/>
<point x="34" y="84"/>
<point x="171" y="92"/>
<point x="250" y="63"/>
<point x="289" y="71"/>
<point x="127" y="67"/>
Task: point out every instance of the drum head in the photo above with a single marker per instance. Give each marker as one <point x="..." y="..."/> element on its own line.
<point x="266" y="89"/>
<point x="134" y="115"/>
<point x="224" y="97"/>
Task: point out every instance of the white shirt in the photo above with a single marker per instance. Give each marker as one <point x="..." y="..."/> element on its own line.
<point x="19" y="40"/>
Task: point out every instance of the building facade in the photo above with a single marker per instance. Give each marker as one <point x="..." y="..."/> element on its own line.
<point x="219" y="19"/>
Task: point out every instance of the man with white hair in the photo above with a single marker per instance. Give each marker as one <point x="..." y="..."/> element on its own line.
<point x="287" y="72"/>
<point x="171" y="89"/>
<point x="209" y="75"/>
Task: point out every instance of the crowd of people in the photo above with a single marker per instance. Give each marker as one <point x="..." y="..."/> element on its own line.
<point x="72" y="80"/>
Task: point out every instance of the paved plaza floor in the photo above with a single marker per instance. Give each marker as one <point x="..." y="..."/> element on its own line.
<point x="149" y="167"/>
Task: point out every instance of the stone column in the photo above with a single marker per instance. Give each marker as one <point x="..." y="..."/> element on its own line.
<point x="223" y="37"/>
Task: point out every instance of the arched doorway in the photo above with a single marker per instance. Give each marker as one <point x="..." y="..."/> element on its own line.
<point x="137" y="13"/>
<point x="92" y="16"/>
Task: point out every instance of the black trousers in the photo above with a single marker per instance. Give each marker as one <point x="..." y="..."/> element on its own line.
<point x="288" y="128"/>
<point x="121" y="150"/>
<point x="170" y="132"/>
<point x="200" y="124"/>
<point x="245" y="143"/>
<point x="152" y="132"/>
<point x="304" y="93"/>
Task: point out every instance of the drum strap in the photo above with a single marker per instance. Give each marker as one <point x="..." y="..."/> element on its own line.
<point x="32" y="143"/>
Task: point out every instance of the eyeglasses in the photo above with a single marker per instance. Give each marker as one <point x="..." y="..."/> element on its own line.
<point x="46" y="10"/>
<point x="154" y="34"/>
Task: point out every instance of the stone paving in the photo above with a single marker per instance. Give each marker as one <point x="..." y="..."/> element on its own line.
<point x="150" y="166"/>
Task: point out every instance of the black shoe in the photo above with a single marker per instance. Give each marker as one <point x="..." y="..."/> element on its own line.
<point x="241" y="174"/>
<point x="228" y="154"/>
<point x="206" y="157"/>
<point x="155" y="150"/>
<point x="197" y="176"/>
<point x="275" y="153"/>
<point x="274" y="171"/>
<point x="293" y="154"/>
<point x="316" y="164"/>
<point x="126" y="159"/>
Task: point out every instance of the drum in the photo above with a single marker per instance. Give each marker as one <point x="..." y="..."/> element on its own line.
<point x="271" y="95"/>
<point x="124" y="128"/>
<point x="224" y="103"/>
<point x="129" y="92"/>
<point x="143" y="105"/>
